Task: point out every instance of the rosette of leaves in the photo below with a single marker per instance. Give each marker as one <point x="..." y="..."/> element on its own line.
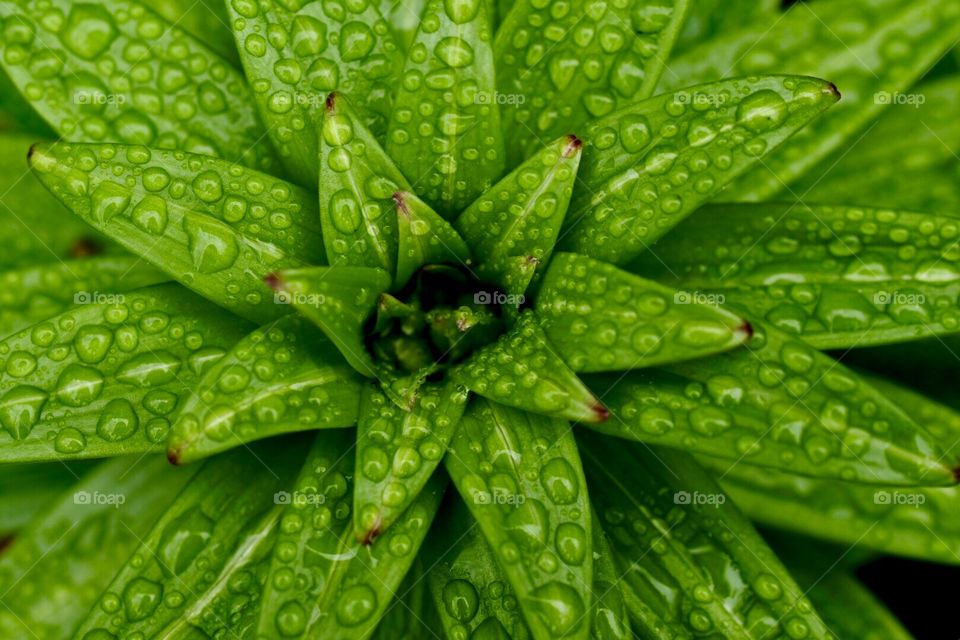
<point x="429" y="307"/>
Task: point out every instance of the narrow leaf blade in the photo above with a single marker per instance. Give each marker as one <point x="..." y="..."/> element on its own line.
<point x="424" y="238"/>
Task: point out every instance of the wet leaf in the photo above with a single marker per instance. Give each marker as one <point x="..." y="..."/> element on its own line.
<point x="398" y="451"/>
<point x="560" y="66"/>
<point x="206" y="539"/>
<point x="64" y="559"/>
<point x="357" y="183"/>
<point x="409" y="615"/>
<point x="521" y="216"/>
<point x="33" y="294"/>
<point x="648" y="166"/>
<point x="777" y="403"/>
<point x="610" y="619"/>
<point x="708" y="570"/>
<point x="295" y="54"/>
<point x="206" y="20"/>
<point x="839" y="277"/>
<point x="911" y="145"/>
<point x="339" y="300"/>
<point x="404" y="18"/>
<point x="157" y="99"/>
<point x="214" y="226"/>
<point x="29" y="489"/>
<point x="350" y="584"/>
<point x="104" y="379"/>
<point x="600" y="318"/>
<point x="285" y="376"/>
<point x="873" y="50"/>
<point x="34" y="227"/>
<point x="520" y="476"/>
<point x="709" y="19"/>
<point x="424" y="238"/>
<point x="467" y="586"/>
<point x="523" y="370"/>
<point x="445" y="130"/>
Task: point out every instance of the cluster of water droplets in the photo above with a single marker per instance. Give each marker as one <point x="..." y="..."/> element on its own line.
<point x="215" y="226"/>
<point x="591" y="58"/>
<point x="117" y="71"/>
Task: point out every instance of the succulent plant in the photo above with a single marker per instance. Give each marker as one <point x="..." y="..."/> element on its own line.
<point x="473" y="320"/>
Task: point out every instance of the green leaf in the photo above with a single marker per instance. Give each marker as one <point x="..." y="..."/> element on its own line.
<point x="709" y="19"/>
<point x="424" y="238"/>
<point x="398" y="451"/>
<point x="285" y="376"/>
<point x="445" y="127"/>
<point x="521" y="216"/>
<point x="409" y="613"/>
<point x="104" y="379"/>
<point x="560" y="65"/>
<point x="206" y="20"/>
<point x="33" y="294"/>
<point x="648" y="166"/>
<point x="214" y="226"/>
<point x="523" y="370"/>
<point x="28" y="489"/>
<point x="117" y="72"/>
<point x="16" y="114"/>
<point x="777" y="403"/>
<point x="709" y="570"/>
<point x="911" y="144"/>
<point x="295" y="54"/>
<point x="348" y="585"/>
<point x="56" y="568"/>
<point x="916" y="522"/>
<point x="514" y="275"/>
<point x="339" y="300"/>
<point x="839" y="277"/>
<point x="468" y="588"/>
<point x="34" y="227"/>
<point x="601" y="318"/>
<point x="610" y="618"/>
<point x="836" y="593"/>
<point x="404" y="18"/>
<point x="357" y="183"/>
<point x="173" y="586"/>
<point x="520" y="476"/>
<point x="871" y="49"/>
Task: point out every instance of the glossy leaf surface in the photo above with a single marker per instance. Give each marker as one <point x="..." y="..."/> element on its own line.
<point x="285" y="376"/>
<point x="104" y="379"/>
<point x="214" y="226"/>
<point x="520" y="476"/>
<point x="649" y="165"/>
<point x="600" y="318"/>
<point x="28" y="489"/>
<point x="115" y="71"/>
<point x="424" y="238"/>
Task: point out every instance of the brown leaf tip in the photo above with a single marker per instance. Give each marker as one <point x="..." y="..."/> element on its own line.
<point x="331" y="101"/>
<point x="574" y="144"/>
<point x="173" y="457"/>
<point x="400" y="199"/>
<point x="85" y="247"/>
<point x="371" y="535"/>
<point x="833" y="90"/>
<point x="273" y="281"/>
<point x="32" y="150"/>
<point x="956" y="474"/>
<point x="601" y="412"/>
<point x="746" y="329"/>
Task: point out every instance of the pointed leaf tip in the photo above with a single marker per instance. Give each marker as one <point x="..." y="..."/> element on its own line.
<point x="574" y="145"/>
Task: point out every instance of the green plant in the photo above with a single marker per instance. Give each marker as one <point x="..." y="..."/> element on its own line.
<point x="556" y="331"/>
